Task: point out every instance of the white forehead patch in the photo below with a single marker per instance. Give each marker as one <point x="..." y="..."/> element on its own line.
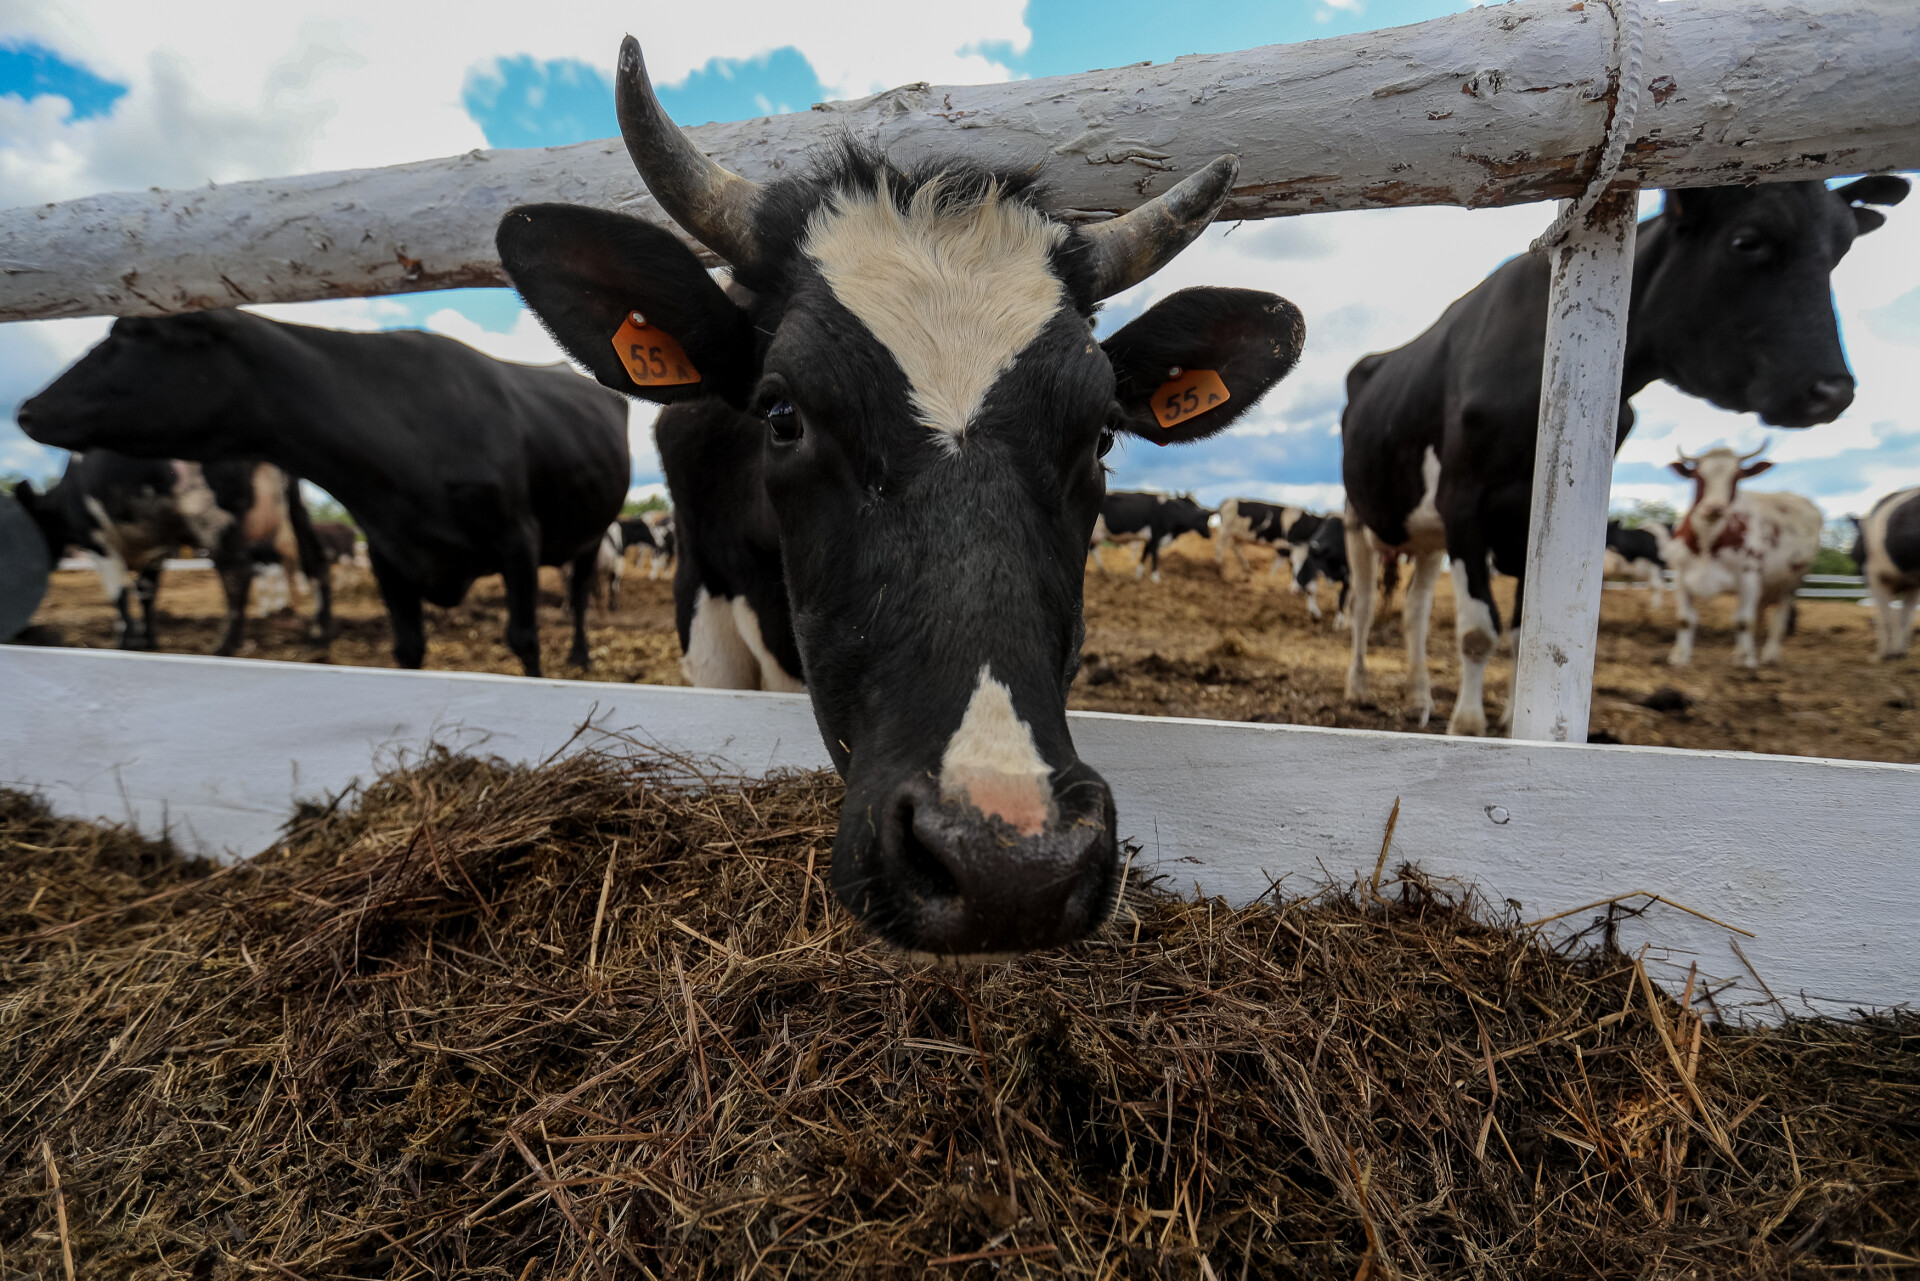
<point x="992" y="764"/>
<point x="954" y="294"/>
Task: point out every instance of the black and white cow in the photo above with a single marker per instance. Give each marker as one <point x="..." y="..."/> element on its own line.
<point x="1634" y="552"/>
<point x="1324" y="557"/>
<point x="1152" y="520"/>
<point x="887" y="475"/>
<point x="1287" y="530"/>
<point x="1888" y="554"/>
<point x="652" y="533"/>
<point x="1732" y="302"/>
<point x="453" y="463"/>
<point x="128" y="515"/>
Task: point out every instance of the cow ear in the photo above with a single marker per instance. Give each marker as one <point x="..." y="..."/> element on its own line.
<point x="586" y="272"/>
<point x="1875" y="189"/>
<point x="1684" y="470"/>
<point x="1246" y="340"/>
<point x="1754" y="469"/>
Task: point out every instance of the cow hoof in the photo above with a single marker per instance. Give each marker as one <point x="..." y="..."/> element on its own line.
<point x="1467" y="724"/>
<point x="1357" y="690"/>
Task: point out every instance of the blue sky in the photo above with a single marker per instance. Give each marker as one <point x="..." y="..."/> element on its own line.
<point x="183" y="93"/>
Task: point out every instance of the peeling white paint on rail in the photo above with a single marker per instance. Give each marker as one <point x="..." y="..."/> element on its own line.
<point x="1498" y="105"/>
<point x="1815" y="857"/>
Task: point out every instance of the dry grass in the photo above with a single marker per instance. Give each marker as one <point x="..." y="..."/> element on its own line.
<point x="598" y="1019"/>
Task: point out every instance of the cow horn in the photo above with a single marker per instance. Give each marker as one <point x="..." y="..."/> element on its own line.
<point x="1747" y="458"/>
<point x="1128" y="249"/>
<point x="1685" y="457"/>
<point x="713" y="205"/>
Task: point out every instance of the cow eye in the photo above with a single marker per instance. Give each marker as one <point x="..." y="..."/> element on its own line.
<point x="783" y="422"/>
<point x="1106" y="442"/>
<point x="1749" y="244"/>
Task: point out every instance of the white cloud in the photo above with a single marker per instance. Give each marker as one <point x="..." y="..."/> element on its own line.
<point x="220" y="94"/>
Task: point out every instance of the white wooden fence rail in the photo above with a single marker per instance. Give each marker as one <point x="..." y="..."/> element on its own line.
<point x="1499" y="105"/>
<point x="1816" y="859"/>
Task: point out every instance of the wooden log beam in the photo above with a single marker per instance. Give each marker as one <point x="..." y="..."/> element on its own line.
<point x="1498" y="105"/>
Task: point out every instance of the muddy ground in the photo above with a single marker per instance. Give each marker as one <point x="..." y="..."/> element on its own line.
<point x="1202" y="642"/>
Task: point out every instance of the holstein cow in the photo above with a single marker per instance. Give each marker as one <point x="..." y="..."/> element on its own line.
<point x="1732" y="301"/>
<point x="1635" y="553"/>
<point x="130" y="514"/>
<point x="1324" y="556"/>
<point x="885" y="468"/>
<point x="1888" y="554"/>
<point x="1151" y="520"/>
<point x="453" y="463"/>
<point x="1759" y="545"/>
<point x="1287" y="530"/>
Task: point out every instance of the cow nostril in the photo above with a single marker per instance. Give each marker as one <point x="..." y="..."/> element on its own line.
<point x="924" y="872"/>
<point x="1829" y="396"/>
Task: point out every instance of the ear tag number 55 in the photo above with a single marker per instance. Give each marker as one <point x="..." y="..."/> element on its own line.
<point x="1187" y="395"/>
<point x="653" y="357"/>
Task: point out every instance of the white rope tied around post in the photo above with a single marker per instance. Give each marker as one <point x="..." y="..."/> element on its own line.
<point x="1628" y="45"/>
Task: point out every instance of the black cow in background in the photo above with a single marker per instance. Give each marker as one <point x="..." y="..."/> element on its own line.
<point x="1152" y="520"/>
<point x="1887" y="550"/>
<point x="1732" y="302"/>
<point x="454" y="464"/>
<point x="128" y="515"/>
<point x="1637" y="553"/>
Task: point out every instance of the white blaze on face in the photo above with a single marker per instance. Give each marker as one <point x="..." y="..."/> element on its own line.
<point x="954" y="295"/>
<point x="992" y="764"/>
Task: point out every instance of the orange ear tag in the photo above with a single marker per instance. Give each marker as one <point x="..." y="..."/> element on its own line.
<point x="653" y="357"/>
<point x="1188" y="395"/>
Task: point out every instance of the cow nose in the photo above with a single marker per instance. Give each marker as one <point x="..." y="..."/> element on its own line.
<point x="23" y="416"/>
<point x="965" y="884"/>
<point x="1828" y="398"/>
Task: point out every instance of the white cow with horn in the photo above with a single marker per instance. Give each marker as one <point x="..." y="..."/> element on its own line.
<point x="1733" y="540"/>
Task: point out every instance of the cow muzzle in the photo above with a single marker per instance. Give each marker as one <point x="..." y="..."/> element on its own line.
<point x="938" y="875"/>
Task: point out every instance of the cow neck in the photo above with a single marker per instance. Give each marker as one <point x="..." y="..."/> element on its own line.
<point x="1641" y="368"/>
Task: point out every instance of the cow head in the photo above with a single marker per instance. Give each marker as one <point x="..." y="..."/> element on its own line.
<point x="1716" y="475"/>
<point x="920" y="344"/>
<point x="172" y="386"/>
<point x="1736" y="304"/>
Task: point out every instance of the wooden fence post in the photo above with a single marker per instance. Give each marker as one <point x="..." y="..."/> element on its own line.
<point x="1573" y="470"/>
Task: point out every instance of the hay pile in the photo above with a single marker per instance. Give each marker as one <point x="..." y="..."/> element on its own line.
<point x="590" y="1020"/>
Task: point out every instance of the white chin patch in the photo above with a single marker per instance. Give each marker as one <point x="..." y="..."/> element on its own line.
<point x="992" y="764"/>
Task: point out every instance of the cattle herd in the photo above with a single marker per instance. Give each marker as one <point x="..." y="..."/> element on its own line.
<point x="882" y="431"/>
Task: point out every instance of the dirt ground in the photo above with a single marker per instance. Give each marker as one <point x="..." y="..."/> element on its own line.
<point x="1202" y="642"/>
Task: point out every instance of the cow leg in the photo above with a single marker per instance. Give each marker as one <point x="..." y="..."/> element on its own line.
<point x="1340" y="617"/>
<point x="1777" y="628"/>
<point x="1239" y="554"/>
<point x="1296" y="557"/>
<point x="1885" y="621"/>
<point x="236" y="581"/>
<point x="1140" y="568"/>
<point x="402" y="600"/>
<point x="579" y="598"/>
<point x="1476" y="625"/>
<point x="1415" y="615"/>
<point x="1094" y="552"/>
<point x="313" y="563"/>
<point x="1687" y="617"/>
<point x="1746" y="617"/>
<point x="1657" y="582"/>
<point x="520" y="574"/>
<point x="1512" y="634"/>
<point x="1363" y="565"/>
<point x="1311" y="588"/>
<point x="1903" y="622"/>
<point x="146" y="587"/>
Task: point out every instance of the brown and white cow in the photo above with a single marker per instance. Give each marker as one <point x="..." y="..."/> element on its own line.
<point x="1733" y="540"/>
